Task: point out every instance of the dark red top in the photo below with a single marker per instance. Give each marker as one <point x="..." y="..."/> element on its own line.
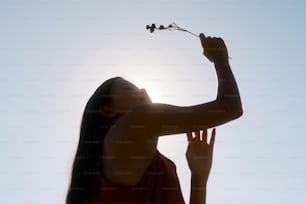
<point x="158" y="185"/>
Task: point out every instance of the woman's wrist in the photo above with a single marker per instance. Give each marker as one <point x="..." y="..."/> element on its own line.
<point x="198" y="180"/>
<point x="221" y="62"/>
<point x="198" y="189"/>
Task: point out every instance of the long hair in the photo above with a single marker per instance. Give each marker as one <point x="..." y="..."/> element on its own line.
<point x="93" y="130"/>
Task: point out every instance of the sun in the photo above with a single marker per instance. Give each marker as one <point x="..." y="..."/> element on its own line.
<point x="152" y="87"/>
<point x="153" y="92"/>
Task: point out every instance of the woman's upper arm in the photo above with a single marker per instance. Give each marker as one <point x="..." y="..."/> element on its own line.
<point x="165" y="119"/>
<point x="128" y="148"/>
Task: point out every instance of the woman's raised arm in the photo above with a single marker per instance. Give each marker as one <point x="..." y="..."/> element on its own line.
<point x="165" y="119"/>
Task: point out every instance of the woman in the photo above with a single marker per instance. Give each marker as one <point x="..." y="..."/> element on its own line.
<point x="117" y="159"/>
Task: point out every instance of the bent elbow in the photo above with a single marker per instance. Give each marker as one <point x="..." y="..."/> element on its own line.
<point x="239" y="113"/>
<point x="233" y="107"/>
<point x="236" y="113"/>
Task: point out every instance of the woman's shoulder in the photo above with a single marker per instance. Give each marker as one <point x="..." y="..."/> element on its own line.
<point x="166" y="161"/>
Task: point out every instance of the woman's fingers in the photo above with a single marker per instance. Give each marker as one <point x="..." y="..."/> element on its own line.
<point x="189" y="136"/>
<point x="196" y="136"/>
<point x="212" y="139"/>
<point x="204" y="135"/>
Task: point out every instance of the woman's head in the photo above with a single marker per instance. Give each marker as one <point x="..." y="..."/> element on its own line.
<point x="124" y="96"/>
<point x="108" y="103"/>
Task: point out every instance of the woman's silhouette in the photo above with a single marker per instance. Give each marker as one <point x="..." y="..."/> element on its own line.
<point x="117" y="160"/>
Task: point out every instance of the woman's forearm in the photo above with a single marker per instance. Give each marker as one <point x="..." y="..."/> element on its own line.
<point x="228" y="93"/>
<point x="198" y="190"/>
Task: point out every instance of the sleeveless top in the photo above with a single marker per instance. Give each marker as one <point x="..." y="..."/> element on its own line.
<point x="158" y="185"/>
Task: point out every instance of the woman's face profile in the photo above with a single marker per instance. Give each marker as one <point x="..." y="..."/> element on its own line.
<point x="126" y="95"/>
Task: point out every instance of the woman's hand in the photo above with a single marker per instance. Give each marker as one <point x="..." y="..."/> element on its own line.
<point x="214" y="48"/>
<point x="199" y="153"/>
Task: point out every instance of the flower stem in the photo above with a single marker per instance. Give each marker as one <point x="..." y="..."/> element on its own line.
<point x="184" y="30"/>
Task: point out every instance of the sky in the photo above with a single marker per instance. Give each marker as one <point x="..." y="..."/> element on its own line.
<point x="54" y="54"/>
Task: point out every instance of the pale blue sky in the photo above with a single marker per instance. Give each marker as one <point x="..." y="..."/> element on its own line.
<point x="54" y="54"/>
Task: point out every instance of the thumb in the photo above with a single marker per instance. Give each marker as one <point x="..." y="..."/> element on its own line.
<point x="203" y="43"/>
<point x="203" y="39"/>
<point x="202" y="36"/>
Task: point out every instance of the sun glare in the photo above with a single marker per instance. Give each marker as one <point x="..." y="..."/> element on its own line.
<point x="153" y="91"/>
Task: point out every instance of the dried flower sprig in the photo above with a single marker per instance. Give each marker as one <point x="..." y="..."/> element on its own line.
<point x="170" y="27"/>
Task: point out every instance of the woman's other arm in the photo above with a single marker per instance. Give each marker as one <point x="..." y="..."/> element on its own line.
<point x="199" y="157"/>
